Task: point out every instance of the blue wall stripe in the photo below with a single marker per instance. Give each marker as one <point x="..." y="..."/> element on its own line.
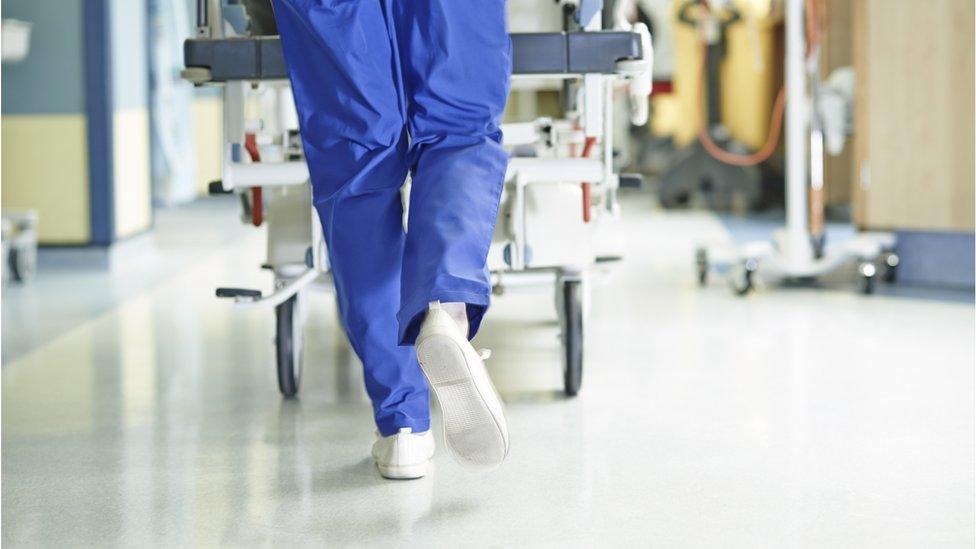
<point x="944" y="259"/>
<point x="98" y="105"/>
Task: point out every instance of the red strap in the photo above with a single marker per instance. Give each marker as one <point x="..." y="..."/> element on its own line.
<point x="585" y="186"/>
<point x="257" y="199"/>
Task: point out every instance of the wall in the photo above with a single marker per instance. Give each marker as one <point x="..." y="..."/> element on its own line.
<point x="208" y="134"/>
<point x="130" y="117"/>
<point x="914" y="115"/>
<point x="75" y="123"/>
<point x="44" y="123"/>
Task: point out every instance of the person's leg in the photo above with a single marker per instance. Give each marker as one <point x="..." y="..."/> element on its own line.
<point x="341" y="65"/>
<point x="456" y="61"/>
<point x="455" y="57"/>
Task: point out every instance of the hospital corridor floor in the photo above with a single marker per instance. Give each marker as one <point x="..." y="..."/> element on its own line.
<point x="138" y="410"/>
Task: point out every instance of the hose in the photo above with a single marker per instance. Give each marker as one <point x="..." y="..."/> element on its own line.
<point x="585" y="186"/>
<point x="814" y="36"/>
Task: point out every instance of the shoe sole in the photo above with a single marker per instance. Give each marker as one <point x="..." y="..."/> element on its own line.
<point x="471" y="430"/>
<point x="403" y="472"/>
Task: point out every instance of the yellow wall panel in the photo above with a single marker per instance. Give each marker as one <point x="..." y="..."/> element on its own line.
<point x="133" y="191"/>
<point x="208" y="137"/>
<point x="45" y="168"/>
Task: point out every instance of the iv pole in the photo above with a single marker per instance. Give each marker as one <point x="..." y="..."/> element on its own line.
<point x="790" y="254"/>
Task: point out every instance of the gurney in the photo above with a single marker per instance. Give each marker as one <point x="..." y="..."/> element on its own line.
<point x="561" y="172"/>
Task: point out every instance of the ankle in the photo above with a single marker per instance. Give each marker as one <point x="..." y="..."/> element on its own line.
<point x="458" y="312"/>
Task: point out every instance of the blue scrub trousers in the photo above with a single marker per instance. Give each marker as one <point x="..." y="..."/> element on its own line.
<point x="385" y="88"/>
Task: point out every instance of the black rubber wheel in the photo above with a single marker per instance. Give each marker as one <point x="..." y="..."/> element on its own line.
<point x="890" y="268"/>
<point x="819" y="244"/>
<point x="869" y="274"/>
<point x="288" y="347"/>
<point x="744" y="282"/>
<point x="572" y="303"/>
<point x="867" y="284"/>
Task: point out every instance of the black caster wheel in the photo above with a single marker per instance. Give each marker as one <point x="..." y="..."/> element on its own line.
<point x="889" y="262"/>
<point x="868" y="273"/>
<point x="288" y="346"/>
<point x="744" y="278"/>
<point x="22" y="263"/>
<point x="572" y="304"/>
<point x="701" y="263"/>
<point x="819" y="244"/>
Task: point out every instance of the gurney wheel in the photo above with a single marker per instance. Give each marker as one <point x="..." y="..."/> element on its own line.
<point x="288" y="346"/>
<point x="572" y="304"/>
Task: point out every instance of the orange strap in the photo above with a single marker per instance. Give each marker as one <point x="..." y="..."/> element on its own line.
<point x="585" y="186"/>
<point x="257" y="198"/>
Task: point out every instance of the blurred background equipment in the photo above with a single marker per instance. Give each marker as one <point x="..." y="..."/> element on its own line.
<point x="19" y="241"/>
<point x="15" y="36"/>
<point x="729" y="123"/>
<point x="716" y="169"/>
<point x="798" y="251"/>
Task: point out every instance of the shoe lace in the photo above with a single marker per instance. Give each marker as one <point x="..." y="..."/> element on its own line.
<point x="485" y="354"/>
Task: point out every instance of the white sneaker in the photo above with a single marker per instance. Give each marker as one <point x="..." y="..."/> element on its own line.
<point x="404" y="455"/>
<point x="473" y="418"/>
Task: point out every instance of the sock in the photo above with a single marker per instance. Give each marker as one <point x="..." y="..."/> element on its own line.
<point x="459" y="312"/>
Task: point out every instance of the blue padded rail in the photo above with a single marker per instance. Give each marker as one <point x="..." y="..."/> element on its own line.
<point x="260" y="58"/>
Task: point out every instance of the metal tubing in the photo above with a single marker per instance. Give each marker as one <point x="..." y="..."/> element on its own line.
<point x="215" y="18"/>
<point x="201" y="14"/>
<point x="555" y="170"/>
<point x="280" y="296"/>
<point x="520" y="133"/>
<point x="518" y="250"/>
<point x="241" y="175"/>
<point x="796" y="122"/>
<point x="608" y="188"/>
<point x="816" y="195"/>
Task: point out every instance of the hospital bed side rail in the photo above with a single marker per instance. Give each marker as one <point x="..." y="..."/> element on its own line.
<point x="217" y="60"/>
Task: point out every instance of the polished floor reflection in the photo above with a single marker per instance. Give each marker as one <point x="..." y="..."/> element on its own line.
<point x="795" y="417"/>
